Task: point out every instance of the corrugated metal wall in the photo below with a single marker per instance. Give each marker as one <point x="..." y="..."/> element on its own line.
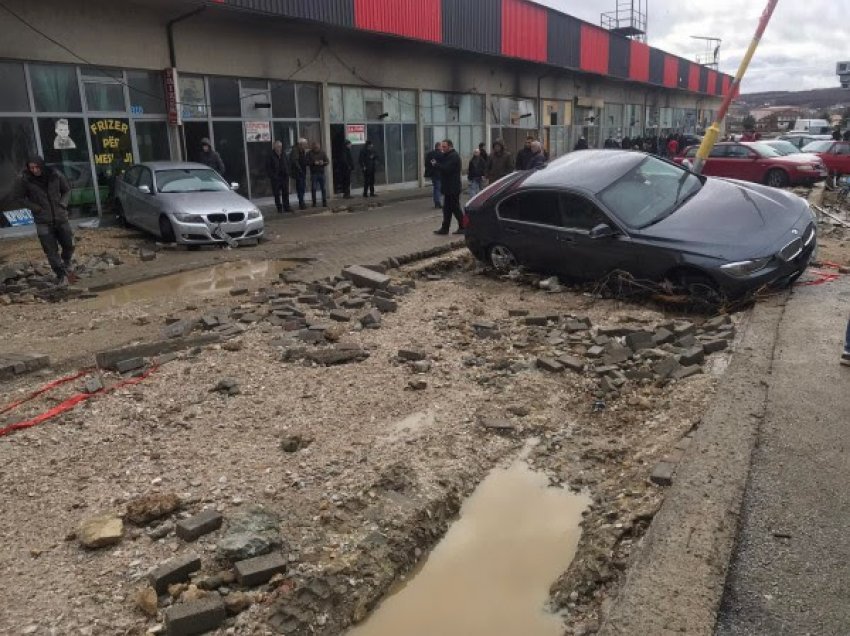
<point x="418" y="19"/>
<point x="693" y="76"/>
<point x="727" y="84"/>
<point x="524" y="30"/>
<point x="474" y="25"/>
<point x="619" y="53"/>
<point x="564" y="40"/>
<point x="671" y="71"/>
<point x="639" y="61"/>
<point x="656" y="66"/>
<point x="594" y="49"/>
<point x="337" y="12"/>
<point x="703" y="79"/>
<point x="683" y="72"/>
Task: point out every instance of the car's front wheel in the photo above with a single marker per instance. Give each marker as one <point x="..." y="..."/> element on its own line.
<point x="166" y="230"/>
<point x="700" y="287"/>
<point x="502" y="258"/>
<point x="776" y="178"/>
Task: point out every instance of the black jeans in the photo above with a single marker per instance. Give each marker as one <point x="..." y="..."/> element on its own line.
<point x="345" y="182"/>
<point x="301" y="187"/>
<point x="451" y="207"/>
<point x="318" y="181"/>
<point x="52" y="238"/>
<point x="280" y="188"/>
<point x="368" y="183"/>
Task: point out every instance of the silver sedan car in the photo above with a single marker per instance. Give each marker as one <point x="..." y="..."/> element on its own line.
<point x="186" y="203"/>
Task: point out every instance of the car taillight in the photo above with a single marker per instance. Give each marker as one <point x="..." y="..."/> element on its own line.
<point x="466" y="221"/>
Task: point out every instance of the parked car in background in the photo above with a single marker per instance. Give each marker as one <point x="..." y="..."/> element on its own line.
<point x="186" y="203"/>
<point x="835" y="154"/>
<point x="816" y="126"/>
<point x="757" y="162"/>
<point x="785" y="148"/>
<point x="801" y="140"/>
<point x="592" y="212"/>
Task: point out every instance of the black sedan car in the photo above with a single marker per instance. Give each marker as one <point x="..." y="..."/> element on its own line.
<point x="592" y="212"/>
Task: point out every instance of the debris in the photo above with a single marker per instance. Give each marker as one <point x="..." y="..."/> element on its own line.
<point x="253" y="533"/>
<point x="110" y="358"/>
<point x="142" y="510"/>
<point x="198" y="525"/>
<point x="100" y="531"/>
<point x="259" y="570"/>
<point x="417" y="385"/>
<point x="196" y="617"/>
<point x="146" y="600"/>
<point x="236" y="603"/>
<point x="131" y="364"/>
<point x="549" y="364"/>
<point x="173" y="571"/>
<point x="365" y="277"/>
<point x="662" y="474"/>
<point x="411" y="355"/>
<point x="93" y="384"/>
<point x="228" y="386"/>
<point x="294" y="443"/>
<point x="334" y="356"/>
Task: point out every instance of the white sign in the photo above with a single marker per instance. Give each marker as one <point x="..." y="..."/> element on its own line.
<point x="258" y="131"/>
<point x="356" y="133"/>
<point x="20" y="217"/>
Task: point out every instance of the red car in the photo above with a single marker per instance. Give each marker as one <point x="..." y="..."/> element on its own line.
<point x="757" y="162"/>
<point x="835" y="154"/>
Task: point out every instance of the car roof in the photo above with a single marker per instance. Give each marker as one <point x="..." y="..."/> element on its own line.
<point x="174" y="165"/>
<point x="591" y="170"/>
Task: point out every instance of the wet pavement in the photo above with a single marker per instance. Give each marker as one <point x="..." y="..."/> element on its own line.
<point x="491" y="573"/>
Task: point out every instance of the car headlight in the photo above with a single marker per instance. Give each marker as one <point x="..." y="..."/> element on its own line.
<point x="183" y="217"/>
<point x="741" y="269"/>
<point x="254" y="214"/>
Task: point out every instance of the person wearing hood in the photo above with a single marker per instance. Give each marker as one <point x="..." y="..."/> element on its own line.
<point x="209" y="157"/>
<point x="46" y="193"/>
<point x="500" y="163"/>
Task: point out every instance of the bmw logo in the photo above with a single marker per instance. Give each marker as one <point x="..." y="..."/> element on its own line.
<point x="795" y="232"/>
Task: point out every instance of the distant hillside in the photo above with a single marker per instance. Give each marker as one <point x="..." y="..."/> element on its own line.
<point x="816" y="98"/>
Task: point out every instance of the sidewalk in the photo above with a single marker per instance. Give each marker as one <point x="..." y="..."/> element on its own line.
<point x="790" y="573"/>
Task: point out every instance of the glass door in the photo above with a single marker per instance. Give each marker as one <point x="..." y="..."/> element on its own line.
<point x="230" y="144"/>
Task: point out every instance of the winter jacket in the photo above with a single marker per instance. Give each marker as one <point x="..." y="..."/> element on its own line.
<point x="431" y="171"/>
<point x="477" y="167"/>
<point x="46" y="197"/>
<point x="369" y="160"/>
<point x="499" y="165"/>
<point x="523" y="157"/>
<point x="347" y="163"/>
<point x="581" y="144"/>
<point x="450" y="169"/>
<point x="317" y="159"/>
<point x="277" y="166"/>
<point x="298" y="162"/>
<point x="213" y="160"/>
<point x="537" y="161"/>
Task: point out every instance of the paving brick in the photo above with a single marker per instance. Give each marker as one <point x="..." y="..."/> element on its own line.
<point x="93" y="384"/>
<point x="411" y="355"/>
<point x="537" y="321"/>
<point x="572" y="363"/>
<point x="638" y="340"/>
<point x="663" y="336"/>
<point x="616" y="353"/>
<point x="666" y="367"/>
<point x="179" y="329"/>
<point x="687" y="341"/>
<point x="371" y="318"/>
<point x="385" y="304"/>
<point x="549" y="364"/>
<point x="110" y="358"/>
<point x="364" y="277"/>
<point x="198" y="525"/>
<point x="694" y="355"/>
<point x="130" y="364"/>
<point x="338" y="315"/>
<point x="517" y="312"/>
<point x="259" y="570"/>
<point x="662" y="474"/>
<point x="685" y="372"/>
<point x="595" y="351"/>
<point x="195" y="617"/>
<point x="175" y="570"/>
<point x="713" y="346"/>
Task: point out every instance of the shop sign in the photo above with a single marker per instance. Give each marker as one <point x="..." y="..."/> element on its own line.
<point x="169" y="76"/>
<point x="356" y="133"/>
<point x="17" y="218"/>
<point x="111" y="142"/>
<point x="258" y="131"/>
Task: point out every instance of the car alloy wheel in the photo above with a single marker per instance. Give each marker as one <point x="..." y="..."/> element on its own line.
<point x="502" y="259"/>
<point x="777" y="178"/>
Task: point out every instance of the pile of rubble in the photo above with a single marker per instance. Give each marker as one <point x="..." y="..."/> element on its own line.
<point x="29" y="282"/>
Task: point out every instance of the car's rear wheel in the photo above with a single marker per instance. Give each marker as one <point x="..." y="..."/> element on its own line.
<point x="776" y="178"/>
<point x="502" y="258"/>
<point x="166" y="230"/>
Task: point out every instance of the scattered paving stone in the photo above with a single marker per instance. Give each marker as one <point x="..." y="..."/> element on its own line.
<point x="662" y="474"/>
<point x="371" y="319"/>
<point x="100" y="531"/>
<point x="239" y="291"/>
<point x="536" y="321"/>
<point x="421" y="366"/>
<point x="294" y="443"/>
<point x="198" y="525"/>
<point x="94" y="383"/>
<point x="331" y="357"/>
<point x="142" y="510"/>
<point x="195" y="617"/>
<point x="572" y="363"/>
<point x="687" y="341"/>
<point x="498" y="425"/>
<point x="683" y="328"/>
<point x="131" y="364"/>
<point x="685" y="372"/>
<point x="717" y="323"/>
<point x="638" y="340"/>
<point x="417" y="385"/>
<point x="175" y="570"/>
<point x="252" y="533"/>
<point x="616" y="353"/>
<point x="613" y="331"/>
<point x="338" y="315"/>
<point x="364" y="277"/>
<point x="258" y="570"/>
<point x="146" y="255"/>
<point x="517" y="312"/>
<point x="595" y="351"/>
<point x="713" y="346"/>
<point x="161" y="531"/>
<point x="227" y="386"/>
<point x="519" y="410"/>
<point x="385" y="305"/>
<point x="486" y="329"/>
<point x="692" y="356"/>
<point x="236" y="603"/>
<point x="572" y="325"/>
<point x="411" y="355"/>
<point x="663" y="336"/>
<point x="608" y="385"/>
<point x="666" y="367"/>
<point x="549" y="364"/>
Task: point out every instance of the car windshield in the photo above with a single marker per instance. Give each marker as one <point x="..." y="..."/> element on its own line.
<point x="182" y="180"/>
<point x="818" y="146"/>
<point x="649" y="192"/>
<point x="764" y="150"/>
<point x="783" y="147"/>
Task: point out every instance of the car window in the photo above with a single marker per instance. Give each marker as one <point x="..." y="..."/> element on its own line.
<point x="783" y="147"/>
<point x="532" y="207"/>
<point x="818" y="146"/>
<point x="737" y="152"/>
<point x="718" y="151"/>
<point x="691" y="152"/>
<point x="189" y="180"/>
<point x="649" y="192"/>
<point x="145" y="178"/>
<point x="842" y="149"/>
<point x="580" y="213"/>
<point x="131" y="177"/>
<point x="765" y="150"/>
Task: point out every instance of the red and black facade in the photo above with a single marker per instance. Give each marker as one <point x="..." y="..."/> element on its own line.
<point x="510" y="28"/>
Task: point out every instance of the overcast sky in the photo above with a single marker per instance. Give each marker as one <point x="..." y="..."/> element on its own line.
<point x="804" y="40"/>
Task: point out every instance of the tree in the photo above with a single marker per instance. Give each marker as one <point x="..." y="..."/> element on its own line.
<point x="749" y="123"/>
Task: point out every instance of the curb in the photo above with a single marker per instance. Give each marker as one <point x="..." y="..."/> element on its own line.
<point x="676" y="579"/>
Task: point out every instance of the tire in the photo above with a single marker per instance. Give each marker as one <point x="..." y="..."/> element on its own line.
<point x="776" y="178"/>
<point x="701" y="288"/>
<point x="166" y="230"/>
<point x="119" y="214"/>
<point x="502" y="258"/>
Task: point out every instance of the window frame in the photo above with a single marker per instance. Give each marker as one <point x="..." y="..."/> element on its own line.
<point x="605" y="217"/>
<point x="523" y="192"/>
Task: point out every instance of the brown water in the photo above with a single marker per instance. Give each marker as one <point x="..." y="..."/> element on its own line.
<point x="215" y="280"/>
<point x="490" y="575"/>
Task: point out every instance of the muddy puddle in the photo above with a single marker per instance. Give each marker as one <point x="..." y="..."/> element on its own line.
<point x="491" y="573"/>
<point x="208" y="281"/>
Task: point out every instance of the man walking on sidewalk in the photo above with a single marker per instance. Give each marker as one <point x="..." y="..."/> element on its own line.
<point x="346" y="167"/>
<point x="277" y="167"/>
<point x="318" y="162"/>
<point x="298" y="163"/>
<point x="369" y="164"/>
<point x="45" y="192"/>
<point x="432" y="173"/>
<point x="450" y="169"/>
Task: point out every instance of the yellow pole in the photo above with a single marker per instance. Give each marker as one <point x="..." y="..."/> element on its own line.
<point x="713" y="131"/>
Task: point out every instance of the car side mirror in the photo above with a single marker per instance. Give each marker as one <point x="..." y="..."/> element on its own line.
<point x="234" y="186"/>
<point x="145" y="189"/>
<point x="602" y="231"/>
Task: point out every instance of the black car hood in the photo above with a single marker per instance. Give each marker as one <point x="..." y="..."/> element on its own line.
<point x="732" y="220"/>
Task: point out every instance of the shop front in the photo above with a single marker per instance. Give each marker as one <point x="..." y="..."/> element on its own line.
<point x="513" y="119"/>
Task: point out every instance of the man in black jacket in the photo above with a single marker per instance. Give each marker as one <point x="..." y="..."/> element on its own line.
<point x="209" y="157"/>
<point x="524" y="155"/>
<point x="318" y="159"/>
<point x="298" y="163"/>
<point x="45" y="192"/>
<point x="369" y="165"/>
<point x="346" y="167"/>
<point x="450" y="169"/>
<point x="277" y="167"/>
<point x="431" y="172"/>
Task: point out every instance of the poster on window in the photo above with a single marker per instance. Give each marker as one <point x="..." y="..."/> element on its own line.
<point x="258" y="131"/>
<point x="63" y="140"/>
<point x="112" y="152"/>
<point x="356" y="133"/>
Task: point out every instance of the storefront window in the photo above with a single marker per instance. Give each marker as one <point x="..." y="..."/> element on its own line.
<point x="229" y="142"/>
<point x="13" y="97"/>
<point x="55" y="89"/>
<point x="193" y="97"/>
<point x="17" y="143"/>
<point x="105" y="97"/>
<point x="407" y="102"/>
<point x="612" y="121"/>
<point x="353" y="100"/>
<point x="453" y="115"/>
<point x="113" y="153"/>
<point x="392" y="108"/>
<point x="287" y="132"/>
<point x="311" y="131"/>
<point x="308" y="101"/>
<point x="147" y="96"/>
<point x="375" y="134"/>
<point x="335" y="100"/>
<point x="394" y="156"/>
<point x="283" y="100"/>
<point x="152" y="140"/>
<point x="65" y="147"/>
<point x="224" y="97"/>
<point x="411" y="152"/>
<point x="256" y="100"/>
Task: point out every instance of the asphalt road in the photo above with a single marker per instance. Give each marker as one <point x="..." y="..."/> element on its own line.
<point x="790" y="573"/>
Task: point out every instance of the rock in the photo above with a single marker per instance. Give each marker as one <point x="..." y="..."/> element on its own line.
<point x="176" y="570"/>
<point x="417" y="385"/>
<point x="595" y="351"/>
<point x="662" y="474"/>
<point x="693" y="356"/>
<point x="236" y="602"/>
<point x="146" y="254"/>
<point x="687" y="341"/>
<point x="131" y="364"/>
<point x="198" y="525"/>
<point x="572" y="363"/>
<point x="161" y="531"/>
<point x="717" y="323"/>
<point x="519" y="410"/>
<point x="146" y="600"/>
<point x="663" y="336"/>
<point x="538" y="321"/>
<point x="421" y="366"/>
<point x="239" y="291"/>
<point x="713" y="346"/>
<point x="294" y="443"/>
<point x="100" y="531"/>
<point x="499" y="425"/>
<point x="338" y="315"/>
<point x="365" y="277"/>
<point x="517" y="312"/>
<point x="227" y="386"/>
<point x="685" y="372"/>
<point x="550" y="284"/>
<point x="385" y="305"/>
<point x="142" y="510"/>
<point x="331" y="357"/>
<point x="252" y="533"/>
<point x="638" y="340"/>
<point x="411" y="355"/>
<point x="259" y="570"/>
<point x="683" y="328"/>
<point x="196" y="617"/>
<point x="486" y="329"/>
<point x="616" y="353"/>
<point x="608" y="385"/>
<point x="371" y="319"/>
<point x="93" y="384"/>
<point x="665" y="367"/>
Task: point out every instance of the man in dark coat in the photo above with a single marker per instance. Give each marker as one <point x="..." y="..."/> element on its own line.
<point x="432" y="173"/>
<point x="581" y="144"/>
<point x="450" y="174"/>
<point x="524" y="155"/>
<point x="369" y="165"/>
<point x="46" y="193"/>
<point x="209" y="157"/>
<point x="482" y="148"/>
<point x="346" y="167"/>
<point x="318" y="160"/>
<point x="277" y="167"/>
<point x="538" y="158"/>
<point x="476" y="172"/>
<point x="500" y="163"/>
<point x="298" y="163"/>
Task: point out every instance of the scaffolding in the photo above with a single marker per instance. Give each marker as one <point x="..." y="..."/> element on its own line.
<point x="711" y="54"/>
<point x="629" y="19"/>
